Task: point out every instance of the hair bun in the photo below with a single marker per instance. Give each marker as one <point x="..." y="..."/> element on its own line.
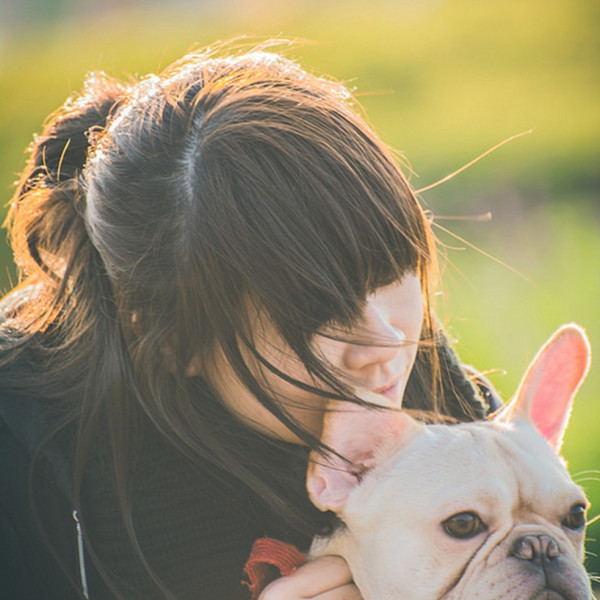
<point x="44" y="219"/>
<point x="60" y="152"/>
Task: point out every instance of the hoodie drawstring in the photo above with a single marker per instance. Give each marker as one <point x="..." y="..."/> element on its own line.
<point x="81" y="554"/>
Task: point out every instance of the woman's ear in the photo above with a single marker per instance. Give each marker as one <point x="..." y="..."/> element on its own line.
<point x="194" y="368"/>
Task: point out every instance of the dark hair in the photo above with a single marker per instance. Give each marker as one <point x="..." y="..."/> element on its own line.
<point x="219" y="181"/>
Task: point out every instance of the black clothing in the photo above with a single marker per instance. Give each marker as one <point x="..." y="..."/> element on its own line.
<point x="195" y="524"/>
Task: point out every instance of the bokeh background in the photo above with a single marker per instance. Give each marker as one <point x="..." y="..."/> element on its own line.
<point x="442" y="81"/>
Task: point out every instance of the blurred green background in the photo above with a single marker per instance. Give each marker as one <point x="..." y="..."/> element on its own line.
<point x="441" y="81"/>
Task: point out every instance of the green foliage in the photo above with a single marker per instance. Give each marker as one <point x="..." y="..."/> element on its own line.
<point x="441" y="81"/>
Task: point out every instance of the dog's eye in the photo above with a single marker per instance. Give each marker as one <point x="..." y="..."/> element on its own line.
<point x="576" y="517"/>
<point x="464" y="525"/>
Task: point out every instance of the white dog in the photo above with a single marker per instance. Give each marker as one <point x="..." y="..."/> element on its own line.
<point x="481" y="510"/>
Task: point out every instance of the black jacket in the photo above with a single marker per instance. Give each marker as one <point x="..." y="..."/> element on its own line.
<point x="195" y="525"/>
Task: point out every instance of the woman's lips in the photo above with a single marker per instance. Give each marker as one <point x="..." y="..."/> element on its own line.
<point x="390" y="391"/>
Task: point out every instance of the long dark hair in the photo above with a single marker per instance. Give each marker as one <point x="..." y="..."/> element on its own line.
<point x="150" y="212"/>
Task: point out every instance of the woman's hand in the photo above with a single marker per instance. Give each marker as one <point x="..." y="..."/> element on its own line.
<point x="326" y="578"/>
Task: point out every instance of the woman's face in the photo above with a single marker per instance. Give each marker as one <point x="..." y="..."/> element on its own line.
<point x="388" y="332"/>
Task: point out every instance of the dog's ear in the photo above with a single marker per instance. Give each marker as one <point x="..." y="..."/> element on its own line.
<point x="546" y="392"/>
<point x="355" y="433"/>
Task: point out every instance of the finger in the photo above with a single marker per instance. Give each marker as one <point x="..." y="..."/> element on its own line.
<point x="308" y="581"/>
<point x="345" y="592"/>
<point x="321" y="575"/>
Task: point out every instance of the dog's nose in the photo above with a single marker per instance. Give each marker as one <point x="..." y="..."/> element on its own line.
<point x="538" y="549"/>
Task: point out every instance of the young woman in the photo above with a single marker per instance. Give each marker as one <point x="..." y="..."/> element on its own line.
<point x="208" y="257"/>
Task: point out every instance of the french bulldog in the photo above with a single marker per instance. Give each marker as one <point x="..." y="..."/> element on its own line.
<point x="472" y="511"/>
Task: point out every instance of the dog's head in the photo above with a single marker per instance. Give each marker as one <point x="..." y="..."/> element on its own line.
<point x="472" y="511"/>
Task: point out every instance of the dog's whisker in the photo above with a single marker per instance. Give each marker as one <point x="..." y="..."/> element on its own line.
<point x="593" y="520"/>
<point x="588" y="475"/>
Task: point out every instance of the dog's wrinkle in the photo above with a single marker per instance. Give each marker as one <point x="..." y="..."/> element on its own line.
<point x="496" y="543"/>
<point x="454" y="583"/>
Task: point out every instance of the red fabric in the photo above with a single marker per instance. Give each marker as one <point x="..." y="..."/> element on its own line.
<point x="268" y="560"/>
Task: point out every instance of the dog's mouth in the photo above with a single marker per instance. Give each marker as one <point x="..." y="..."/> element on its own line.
<point x="572" y="591"/>
<point x="549" y="594"/>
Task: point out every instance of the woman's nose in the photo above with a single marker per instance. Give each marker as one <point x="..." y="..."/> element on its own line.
<point x="378" y="342"/>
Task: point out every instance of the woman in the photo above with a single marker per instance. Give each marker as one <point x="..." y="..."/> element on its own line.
<point x="208" y="257"/>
